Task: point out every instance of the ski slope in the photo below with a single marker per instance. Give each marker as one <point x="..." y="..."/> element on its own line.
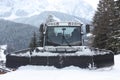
<point x="68" y="73"/>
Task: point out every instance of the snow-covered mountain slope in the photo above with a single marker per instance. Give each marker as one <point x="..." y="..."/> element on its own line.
<point x="12" y="9"/>
<point x="16" y="35"/>
<point x="38" y="19"/>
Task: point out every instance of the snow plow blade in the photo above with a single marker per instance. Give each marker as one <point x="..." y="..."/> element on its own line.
<point x="16" y="61"/>
<point x="61" y="61"/>
<point x="101" y="61"/>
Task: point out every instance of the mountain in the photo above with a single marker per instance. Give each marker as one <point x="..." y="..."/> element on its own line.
<point x="12" y="9"/>
<point x="16" y="35"/>
<point x="34" y="12"/>
<point x="38" y="19"/>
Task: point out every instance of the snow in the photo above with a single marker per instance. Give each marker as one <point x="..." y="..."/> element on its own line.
<point x="52" y="18"/>
<point x="2" y="55"/>
<point x="69" y="73"/>
<point x="27" y="54"/>
<point x="56" y="19"/>
<point x="80" y="50"/>
<point x="89" y="35"/>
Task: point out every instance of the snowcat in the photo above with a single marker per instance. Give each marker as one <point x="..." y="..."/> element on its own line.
<point x="62" y="46"/>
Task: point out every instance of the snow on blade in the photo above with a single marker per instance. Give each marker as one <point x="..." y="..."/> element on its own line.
<point x="80" y="51"/>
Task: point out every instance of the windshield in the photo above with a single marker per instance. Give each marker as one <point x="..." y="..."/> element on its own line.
<point x="62" y="36"/>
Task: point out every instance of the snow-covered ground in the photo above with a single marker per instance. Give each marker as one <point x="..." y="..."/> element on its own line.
<point x="2" y="55"/>
<point x="68" y="73"/>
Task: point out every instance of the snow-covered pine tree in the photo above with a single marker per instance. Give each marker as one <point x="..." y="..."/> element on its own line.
<point x="117" y="7"/>
<point x="103" y="23"/>
<point x="114" y="40"/>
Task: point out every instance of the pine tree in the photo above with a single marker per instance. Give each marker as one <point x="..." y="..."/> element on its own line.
<point x="103" y="23"/>
<point x="114" y="40"/>
<point x="118" y="16"/>
<point x="33" y="43"/>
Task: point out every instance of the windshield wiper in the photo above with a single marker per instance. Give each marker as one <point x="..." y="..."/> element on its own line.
<point x="65" y="41"/>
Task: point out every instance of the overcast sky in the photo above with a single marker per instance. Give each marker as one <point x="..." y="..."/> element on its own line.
<point x="93" y="2"/>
